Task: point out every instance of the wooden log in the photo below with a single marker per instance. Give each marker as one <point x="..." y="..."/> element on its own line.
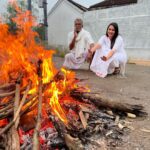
<point x="11" y="93"/>
<point x="39" y="116"/>
<point x="100" y="101"/>
<point x="30" y="107"/>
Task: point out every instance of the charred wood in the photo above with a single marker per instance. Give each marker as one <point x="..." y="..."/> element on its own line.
<point x="101" y="101"/>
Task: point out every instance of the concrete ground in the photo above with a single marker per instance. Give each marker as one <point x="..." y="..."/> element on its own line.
<point x="134" y="89"/>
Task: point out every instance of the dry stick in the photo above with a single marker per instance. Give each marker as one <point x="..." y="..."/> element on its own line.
<point x="7" y="86"/>
<point x="10" y="111"/>
<point x="6" y="114"/>
<point x="33" y="103"/>
<point x="17" y="100"/>
<point x="13" y="130"/>
<point x="17" y="112"/>
<point x="30" y="106"/>
<point x="7" y="94"/>
<point x="3" y="104"/>
<point x="12" y="139"/>
<point x="22" y="102"/>
<point x="39" y="116"/>
<point x="6" y="108"/>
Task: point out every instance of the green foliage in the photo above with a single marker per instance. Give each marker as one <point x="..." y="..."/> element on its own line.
<point x="11" y="13"/>
<point x="40" y="29"/>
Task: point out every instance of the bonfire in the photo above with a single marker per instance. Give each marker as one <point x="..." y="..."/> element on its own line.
<point x="42" y="107"/>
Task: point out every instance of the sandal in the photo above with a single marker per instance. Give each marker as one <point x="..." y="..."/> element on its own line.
<point x="116" y="71"/>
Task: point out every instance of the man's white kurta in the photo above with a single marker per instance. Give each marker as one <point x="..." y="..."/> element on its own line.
<point x="78" y="54"/>
<point x="102" y="68"/>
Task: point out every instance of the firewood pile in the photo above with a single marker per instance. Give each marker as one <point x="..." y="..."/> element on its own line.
<point x="92" y="120"/>
<point x="43" y="108"/>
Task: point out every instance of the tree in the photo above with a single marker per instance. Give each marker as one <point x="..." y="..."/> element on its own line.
<point x="11" y="13"/>
<point x="23" y="5"/>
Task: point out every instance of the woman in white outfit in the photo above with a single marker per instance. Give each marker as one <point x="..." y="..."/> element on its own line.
<point x="109" y="53"/>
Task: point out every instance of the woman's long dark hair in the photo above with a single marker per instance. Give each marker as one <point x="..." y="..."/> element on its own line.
<point x="115" y="25"/>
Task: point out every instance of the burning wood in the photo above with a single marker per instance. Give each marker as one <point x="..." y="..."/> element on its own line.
<point x="96" y="122"/>
<point x="17" y="112"/>
<point x="49" y="109"/>
<point x="39" y="115"/>
<point x="13" y="137"/>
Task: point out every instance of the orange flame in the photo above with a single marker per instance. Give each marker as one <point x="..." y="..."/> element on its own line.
<point x="54" y="103"/>
<point x="19" y="54"/>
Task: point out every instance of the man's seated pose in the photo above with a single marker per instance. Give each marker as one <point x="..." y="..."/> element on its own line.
<point x="80" y="42"/>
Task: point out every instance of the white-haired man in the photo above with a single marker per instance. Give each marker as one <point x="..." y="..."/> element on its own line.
<point x="80" y="42"/>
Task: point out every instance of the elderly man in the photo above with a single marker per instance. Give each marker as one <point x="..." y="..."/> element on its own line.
<point x="80" y="42"/>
